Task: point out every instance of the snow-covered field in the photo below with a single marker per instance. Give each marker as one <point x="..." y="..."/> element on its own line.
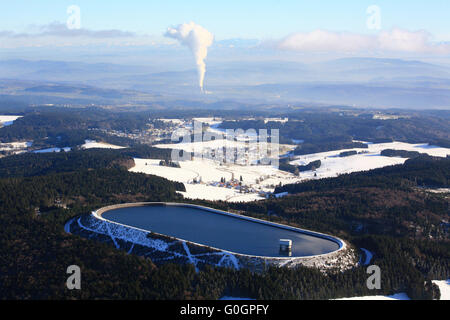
<point x="15" y="146"/>
<point x="444" y="287"/>
<point x="201" y="146"/>
<point x="333" y="165"/>
<point x="8" y="120"/>
<point x="210" y="172"/>
<point x="238" y="142"/>
<point x="22" y="146"/>
<point x="174" y="121"/>
<point x="209" y="121"/>
<point x="91" y="144"/>
<point x="205" y="192"/>
<point x="263" y="177"/>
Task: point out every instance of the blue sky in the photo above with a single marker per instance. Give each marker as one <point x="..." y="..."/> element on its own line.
<point x="261" y="19"/>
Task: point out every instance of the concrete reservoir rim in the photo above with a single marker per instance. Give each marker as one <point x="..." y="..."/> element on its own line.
<point x="342" y="245"/>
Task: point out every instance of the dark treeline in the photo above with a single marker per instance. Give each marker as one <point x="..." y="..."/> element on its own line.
<point x="324" y="146"/>
<point x="94" y="186"/>
<point x="348" y="153"/>
<point x="35" y="251"/>
<point x="33" y="164"/>
<point x="401" y="153"/>
<point x="312" y="166"/>
<point x="64" y="127"/>
<point x="353" y="211"/>
<point x="421" y="171"/>
<point x="327" y="130"/>
<point x="321" y="131"/>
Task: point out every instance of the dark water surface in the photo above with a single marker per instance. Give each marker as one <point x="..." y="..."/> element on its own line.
<point x="219" y="231"/>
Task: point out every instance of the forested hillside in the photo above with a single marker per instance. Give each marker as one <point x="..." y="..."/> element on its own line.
<point x="323" y="131"/>
<point x="33" y="164"/>
<point x="387" y="211"/>
<point x="36" y="251"/>
<point x="62" y="127"/>
<point x="422" y="171"/>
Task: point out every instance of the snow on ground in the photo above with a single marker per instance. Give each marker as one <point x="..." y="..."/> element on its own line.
<point x="11" y="146"/>
<point x="205" y="192"/>
<point x="438" y="190"/>
<point x="209" y="171"/>
<point x="282" y="120"/>
<point x="50" y="150"/>
<point x="444" y="287"/>
<point x="333" y="165"/>
<point x="200" y="146"/>
<point x="209" y="121"/>
<point x="431" y="150"/>
<point x="91" y="144"/>
<point x="281" y="195"/>
<point x="397" y="296"/>
<point x="174" y="121"/>
<point x="199" y="191"/>
<point x="265" y="177"/>
<point x="151" y="166"/>
<point x="216" y="132"/>
<point x="8" y="120"/>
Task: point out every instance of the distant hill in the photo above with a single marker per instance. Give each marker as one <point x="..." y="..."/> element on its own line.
<point x="360" y="82"/>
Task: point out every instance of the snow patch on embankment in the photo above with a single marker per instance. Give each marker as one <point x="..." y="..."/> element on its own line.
<point x="444" y="287"/>
<point x="8" y="120"/>
<point x="397" y="296"/>
<point x="91" y="144"/>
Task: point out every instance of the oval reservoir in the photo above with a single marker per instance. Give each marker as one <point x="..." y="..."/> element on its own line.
<point x="221" y="231"/>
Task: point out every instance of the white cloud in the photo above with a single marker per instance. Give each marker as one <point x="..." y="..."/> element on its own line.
<point x="58" y="34"/>
<point x="321" y="40"/>
<point x="395" y="40"/>
<point x="58" y="29"/>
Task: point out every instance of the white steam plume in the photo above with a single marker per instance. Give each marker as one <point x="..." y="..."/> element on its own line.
<point x="198" y="39"/>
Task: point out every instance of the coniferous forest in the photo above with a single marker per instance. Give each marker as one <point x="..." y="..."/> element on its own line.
<point x="204" y="152"/>
<point x="387" y="211"/>
<point x="391" y="217"/>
